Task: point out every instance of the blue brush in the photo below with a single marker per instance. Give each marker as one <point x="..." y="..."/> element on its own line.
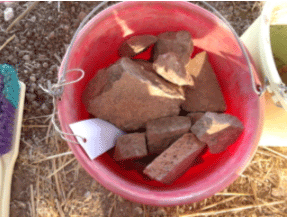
<point x="9" y="96"/>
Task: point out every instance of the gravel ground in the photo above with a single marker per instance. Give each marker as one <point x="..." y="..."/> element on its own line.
<point x="42" y="38"/>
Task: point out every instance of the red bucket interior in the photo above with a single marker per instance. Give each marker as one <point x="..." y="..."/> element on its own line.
<point x="97" y="46"/>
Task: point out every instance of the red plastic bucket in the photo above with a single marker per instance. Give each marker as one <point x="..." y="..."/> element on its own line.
<point x="96" y="47"/>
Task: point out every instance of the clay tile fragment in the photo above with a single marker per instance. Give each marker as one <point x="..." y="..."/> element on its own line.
<point x="163" y="132"/>
<point x="130" y="146"/>
<point x="178" y="42"/>
<point x="128" y="96"/>
<point x="218" y="131"/>
<point x="170" y="67"/>
<point x="206" y="94"/>
<point x="136" y="44"/>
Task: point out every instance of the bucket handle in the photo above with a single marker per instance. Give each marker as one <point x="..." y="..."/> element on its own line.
<point x="258" y="89"/>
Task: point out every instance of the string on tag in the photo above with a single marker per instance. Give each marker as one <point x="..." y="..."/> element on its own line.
<point x="56" y="91"/>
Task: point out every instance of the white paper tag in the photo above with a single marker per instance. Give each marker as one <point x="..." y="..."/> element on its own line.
<point x="100" y="136"/>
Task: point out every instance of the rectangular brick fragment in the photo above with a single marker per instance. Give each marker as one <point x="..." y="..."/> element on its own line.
<point x="130" y="146"/>
<point x="218" y="131"/>
<point x="163" y="132"/>
<point x="136" y="44"/>
<point x="175" y="160"/>
<point x="195" y="116"/>
<point x="206" y="95"/>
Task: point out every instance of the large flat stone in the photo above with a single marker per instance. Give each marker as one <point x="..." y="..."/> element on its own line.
<point x="178" y="42"/>
<point x="171" y="68"/>
<point x="206" y="95"/>
<point x="218" y="131"/>
<point x="136" y="44"/>
<point x="148" y="66"/>
<point x="175" y="160"/>
<point x="130" y="146"/>
<point x="163" y="132"/>
<point x="128" y="96"/>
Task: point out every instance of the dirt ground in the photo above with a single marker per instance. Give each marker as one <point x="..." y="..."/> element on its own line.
<point x="59" y="186"/>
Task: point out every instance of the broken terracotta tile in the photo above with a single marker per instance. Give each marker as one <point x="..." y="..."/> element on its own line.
<point x="148" y="66"/>
<point x="178" y="42"/>
<point x="130" y="146"/>
<point x="206" y="94"/>
<point x="170" y="67"/>
<point x="136" y="44"/>
<point x="218" y="131"/>
<point x="128" y="96"/>
<point x="163" y="132"/>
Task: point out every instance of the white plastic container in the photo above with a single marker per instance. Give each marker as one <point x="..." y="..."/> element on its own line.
<point x="257" y="40"/>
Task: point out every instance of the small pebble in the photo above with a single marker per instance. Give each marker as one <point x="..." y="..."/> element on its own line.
<point x="26" y="57"/>
<point x="38" y="66"/>
<point x="66" y="28"/>
<point x="139" y="210"/>
<point x="8" y="14"/>
<point x="120" y="199"/>
<point x="23" y="41"/>
<point x="45" y="65"/>
<point x="35" y="104"/>
<point x="33" y="19"/>
<point x="87" y="194"/>
<point x="31" y="97"/>
<point x="33" y="85"/>
<point x="51" y="35"/>
<point x="33" y="78"/>
<point x="44" y="108"/>
<point x="10" y="58"/>
<point x="230" y="8"/>
<point x="82" y="15"/>
<point x="50" y="18"/>
<point x="161" y="212"/>
<point x="73" y="9"/>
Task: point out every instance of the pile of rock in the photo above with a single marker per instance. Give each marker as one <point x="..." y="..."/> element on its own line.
<point x="135" y="94"/>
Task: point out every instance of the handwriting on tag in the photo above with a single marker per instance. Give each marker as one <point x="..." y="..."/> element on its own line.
<point x="100" y="136"/>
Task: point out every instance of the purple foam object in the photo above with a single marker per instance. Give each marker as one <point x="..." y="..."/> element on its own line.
<point x="7" y="113"/>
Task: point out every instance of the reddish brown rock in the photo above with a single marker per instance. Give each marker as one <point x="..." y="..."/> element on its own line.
<point x="164" y="131"/>
<point x="170" y="67"/>
<point x="195" y="116"/>
<point x="148" y="66"/>
<point x="206" y="94"/>
<point x="136" y="44"/>
<point x="218" y="131"/>
<point x="130" y="146"/>
<point x="128" y="96"/>
<point x="178" y="42"/>
<point x="175" y="160"/>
